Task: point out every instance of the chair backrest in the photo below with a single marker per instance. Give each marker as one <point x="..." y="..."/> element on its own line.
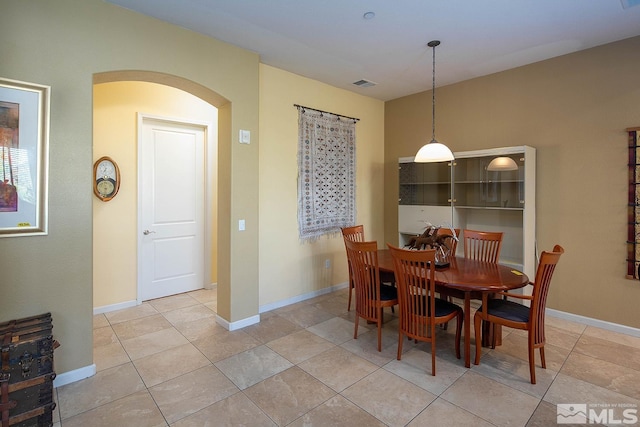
<point x="355" y="233"/>
<point x="363" y="259"/>
<point x="546" y="267"/>
<point x="443" y="231"/>
<point x="416" y="289"/>
<point x="482" y="245"/>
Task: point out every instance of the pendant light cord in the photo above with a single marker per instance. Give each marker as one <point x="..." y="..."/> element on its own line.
<point x="433" y="45"/>
<point x="433" y="151"/>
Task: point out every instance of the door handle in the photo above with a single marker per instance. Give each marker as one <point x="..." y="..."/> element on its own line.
<point x="147" y="232"/>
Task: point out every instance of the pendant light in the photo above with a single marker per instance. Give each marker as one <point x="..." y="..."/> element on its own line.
<point x="434" y="151"/>
<point x="500" y="164"/>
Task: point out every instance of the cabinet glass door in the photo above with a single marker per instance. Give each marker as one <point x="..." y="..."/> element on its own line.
<point x="425" y="184"/>
<point x="477" y="187"/>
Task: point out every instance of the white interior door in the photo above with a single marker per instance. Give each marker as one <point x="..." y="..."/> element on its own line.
<point x="171" y="207"/>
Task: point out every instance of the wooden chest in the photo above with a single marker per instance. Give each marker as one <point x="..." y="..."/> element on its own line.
<point x="26" y="376"/>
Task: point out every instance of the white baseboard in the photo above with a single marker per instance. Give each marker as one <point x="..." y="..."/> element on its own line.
<point x="89" y="371"/>
<point x="233" y="326"/>
<point x="303" y="297"/>
<point x="614" y="327"/>
<point x="272" y="306"/>
<point x="133" y="303"/>
<point x="75" y="375"/>
<point x="114" y="307"/>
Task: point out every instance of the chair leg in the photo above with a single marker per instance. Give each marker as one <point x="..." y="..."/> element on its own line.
<point x="380" y="331"/>
<point x="350" y="292"/>
<point x="488" y="335"/>
<point x="433" y="352"/>
<point x="459" y="322"/>
<point x="355" y="332"/>
<point x="542" y="362"/>
<point x="450" y="299"/>
<point x="532" y="363"/>
<point x="399" y="357"/>
<point x="477" y="323"/>
<point x="492" y="331"/>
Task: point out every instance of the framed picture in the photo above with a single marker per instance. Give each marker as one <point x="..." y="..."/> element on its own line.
<point x="24" y="153"/>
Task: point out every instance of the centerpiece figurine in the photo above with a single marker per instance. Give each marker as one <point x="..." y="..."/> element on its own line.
<point x="432" y="238"/>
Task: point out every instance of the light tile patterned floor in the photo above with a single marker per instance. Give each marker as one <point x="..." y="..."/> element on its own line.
<point x="168" y="363"/>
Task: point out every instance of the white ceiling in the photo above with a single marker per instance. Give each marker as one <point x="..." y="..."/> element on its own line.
<point x="330" y="41"/>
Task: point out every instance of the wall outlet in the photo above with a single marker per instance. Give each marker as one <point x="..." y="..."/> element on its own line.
<point x="241" y="225"/>
<point x="327" y="263"/>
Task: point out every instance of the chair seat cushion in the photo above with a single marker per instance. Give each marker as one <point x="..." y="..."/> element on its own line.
<point x="387" y="277"/>
<point x="507" y="310"/>
<point x="445" y="308"/>
<point x="388" y="292"/>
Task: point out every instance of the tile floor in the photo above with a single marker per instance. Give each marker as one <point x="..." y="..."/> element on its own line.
<point x="168" y="363"/>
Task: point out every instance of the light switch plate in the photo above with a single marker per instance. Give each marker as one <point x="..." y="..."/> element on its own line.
<point x="241" y="225"/>
<point x="245" y="136"/>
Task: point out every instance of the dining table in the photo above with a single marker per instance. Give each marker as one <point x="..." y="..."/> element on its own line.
<point x="467" y="279"/>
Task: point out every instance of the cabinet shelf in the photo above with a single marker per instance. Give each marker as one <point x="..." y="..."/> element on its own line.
<point x="491" y="181"/>
<point x="427" y="183"/>
<point x="495" y="208"/>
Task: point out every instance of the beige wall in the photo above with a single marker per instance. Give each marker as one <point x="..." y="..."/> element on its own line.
<point x="289" y="268"/>
<point x="574" y="110"/>
<point x="115" y="232"/>
<point x="66" y="44"/>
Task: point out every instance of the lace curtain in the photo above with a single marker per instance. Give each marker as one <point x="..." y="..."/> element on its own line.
<point x="326" y="173"/>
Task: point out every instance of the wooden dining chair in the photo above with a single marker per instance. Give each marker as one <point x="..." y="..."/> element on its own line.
<point x="420" y="310"/>
<point x="371" y="294"/>
<point x="519" y="316"/>
<point x="482" y="245"/>
<point x="355" y="234"/>
<point x="453" y="246"/>
<point x="453" y="242"/>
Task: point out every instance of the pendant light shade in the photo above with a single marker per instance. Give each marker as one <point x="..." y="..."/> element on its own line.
<point x="502" y="164"/>
<point x="434" y="151"/>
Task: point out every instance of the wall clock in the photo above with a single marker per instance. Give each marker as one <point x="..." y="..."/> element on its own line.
<point x="106" y="178"/>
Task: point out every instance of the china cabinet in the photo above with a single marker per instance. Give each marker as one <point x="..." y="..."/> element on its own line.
<point x="466" y="193"/>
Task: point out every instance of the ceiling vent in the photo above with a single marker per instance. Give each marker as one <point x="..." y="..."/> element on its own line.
<point x="364" y="83"/>
<point x="626" y="4"/>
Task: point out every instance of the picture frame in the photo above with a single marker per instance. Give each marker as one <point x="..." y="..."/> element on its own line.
<point x="24" y="158"/>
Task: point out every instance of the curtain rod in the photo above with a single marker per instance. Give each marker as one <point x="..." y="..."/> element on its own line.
<point x="327" y="112"/>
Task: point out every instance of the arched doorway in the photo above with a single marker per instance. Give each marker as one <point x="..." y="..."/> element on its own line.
<point x="114" y="284"/>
